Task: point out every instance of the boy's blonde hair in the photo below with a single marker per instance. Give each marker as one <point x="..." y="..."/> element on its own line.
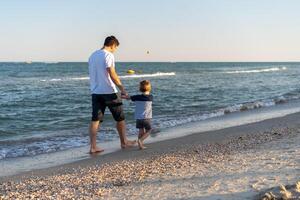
<point x="145" y="86"/>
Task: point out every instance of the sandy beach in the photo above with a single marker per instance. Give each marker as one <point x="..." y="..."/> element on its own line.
<point x="244" y="162"/>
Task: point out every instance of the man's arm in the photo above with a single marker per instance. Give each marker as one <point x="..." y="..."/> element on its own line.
<point x="115" y="78"/>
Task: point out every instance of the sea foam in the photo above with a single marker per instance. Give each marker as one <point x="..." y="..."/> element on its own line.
<point x="157" y="74"/>
<point x="272" y="69"/>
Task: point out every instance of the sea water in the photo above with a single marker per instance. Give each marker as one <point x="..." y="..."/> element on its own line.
<point x="46" y="107"/>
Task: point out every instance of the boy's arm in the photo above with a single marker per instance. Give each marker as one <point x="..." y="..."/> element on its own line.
<point x="129" y="98"/>
<point x="132" y="98"/>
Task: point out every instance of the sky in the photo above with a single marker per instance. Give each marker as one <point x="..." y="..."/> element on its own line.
<point x="171" y="30"/>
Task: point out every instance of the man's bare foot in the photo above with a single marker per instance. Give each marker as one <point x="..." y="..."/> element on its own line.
<point x="96" y="150"/>
<point x="141" y="145"/>
<point x="128" y="144"/>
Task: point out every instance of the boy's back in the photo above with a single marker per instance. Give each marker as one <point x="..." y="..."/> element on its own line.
<point x="143" y="106"/>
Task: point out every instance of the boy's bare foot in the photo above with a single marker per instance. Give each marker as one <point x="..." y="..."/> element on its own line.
<point x="141" y="145"/>
<point x="96" y="150"/>
<point x="128" y="144"/>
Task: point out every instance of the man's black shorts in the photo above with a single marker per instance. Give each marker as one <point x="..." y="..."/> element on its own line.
<point x="112" y="101"/>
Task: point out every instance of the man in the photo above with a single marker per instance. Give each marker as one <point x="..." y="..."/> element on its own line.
<point x="103" y="84"/>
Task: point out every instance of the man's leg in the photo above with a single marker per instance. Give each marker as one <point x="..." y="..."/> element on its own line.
<point x="93" y="137"/>
<point x="116" y="109"/>
<point x="98" y="106"/>
<point x="121" y="127"/>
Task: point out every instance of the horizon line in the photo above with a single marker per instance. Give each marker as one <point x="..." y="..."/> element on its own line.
<point x="53" y="62"/>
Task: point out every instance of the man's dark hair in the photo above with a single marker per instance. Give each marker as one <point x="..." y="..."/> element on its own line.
<point x="110" y="41"/>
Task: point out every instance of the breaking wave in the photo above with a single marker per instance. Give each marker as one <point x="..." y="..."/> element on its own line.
<point x="273" y="69"/>
<point x="157" y="74"/>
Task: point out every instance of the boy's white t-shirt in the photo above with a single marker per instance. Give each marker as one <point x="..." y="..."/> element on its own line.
<point x="100" y="81"/>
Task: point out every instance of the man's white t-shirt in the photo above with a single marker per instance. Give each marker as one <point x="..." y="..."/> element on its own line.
<point x="100" y="81"/>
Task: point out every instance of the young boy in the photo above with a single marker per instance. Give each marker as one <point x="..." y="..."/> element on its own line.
<point x="143" y="111"/>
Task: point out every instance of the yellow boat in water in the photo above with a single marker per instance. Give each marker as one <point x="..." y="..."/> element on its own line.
<point x="130" y="71"/>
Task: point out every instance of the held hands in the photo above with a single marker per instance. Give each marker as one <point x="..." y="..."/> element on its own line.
<point x="124" y="95"/>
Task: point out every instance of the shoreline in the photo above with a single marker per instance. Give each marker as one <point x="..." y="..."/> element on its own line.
<point x="163" y="147"/>
<point x="77" y="156"/>
<point x="243" y="163"/>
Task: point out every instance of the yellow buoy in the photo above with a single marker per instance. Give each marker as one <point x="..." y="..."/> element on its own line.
<point x="130" y="71"/>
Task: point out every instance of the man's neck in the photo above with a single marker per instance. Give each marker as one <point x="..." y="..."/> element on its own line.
<point x="146" y="93"/>
<point x="106" y="49"/>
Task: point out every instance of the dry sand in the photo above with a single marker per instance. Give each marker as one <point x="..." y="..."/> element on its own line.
<point x="249" y="162"/>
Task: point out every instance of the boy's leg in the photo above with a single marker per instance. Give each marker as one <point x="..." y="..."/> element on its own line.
<point x="141" y="134"/>
<point x="147" y="129"/>
<point x="145" y="135"/>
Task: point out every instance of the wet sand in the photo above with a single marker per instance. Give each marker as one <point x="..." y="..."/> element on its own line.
<point x="242" y="162"/>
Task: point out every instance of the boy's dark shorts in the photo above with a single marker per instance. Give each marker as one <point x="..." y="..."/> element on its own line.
<point x="112" y="101"/>
<point x="144" y="123"/>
